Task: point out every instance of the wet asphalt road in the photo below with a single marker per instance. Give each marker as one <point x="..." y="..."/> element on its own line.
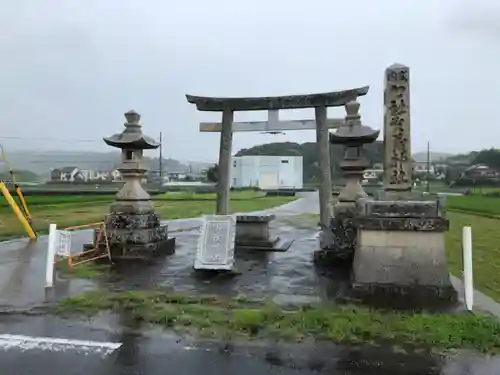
<point x="127" y="362"/>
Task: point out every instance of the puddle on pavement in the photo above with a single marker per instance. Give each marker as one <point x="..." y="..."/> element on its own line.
<point x="260" y="274"/>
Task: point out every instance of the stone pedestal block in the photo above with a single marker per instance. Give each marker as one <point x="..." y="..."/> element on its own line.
<point x="338" y="244"/>
<point x="252" y="232"/>
<point x="136" y="236"/>
<point x="400" y="258"/>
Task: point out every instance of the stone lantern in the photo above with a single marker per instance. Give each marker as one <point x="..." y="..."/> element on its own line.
<point x="352" y="136"/>
<point x="339" y="243"/>
<point x="133" y="228"/>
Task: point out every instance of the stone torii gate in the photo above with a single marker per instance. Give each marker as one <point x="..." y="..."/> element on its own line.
<point x="320" y="102"/>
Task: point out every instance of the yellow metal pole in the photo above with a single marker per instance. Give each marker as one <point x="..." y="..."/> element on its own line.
<point x="17" y="211"/>
<point x="23" y="202"/>
<point x="17" y="187"/>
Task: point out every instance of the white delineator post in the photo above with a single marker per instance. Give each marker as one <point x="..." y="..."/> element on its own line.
<point x="467" y="261"/>
<point x="51" y="253"/>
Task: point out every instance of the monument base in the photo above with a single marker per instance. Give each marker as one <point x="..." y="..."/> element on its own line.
<point x="338" y="244"/>
<point x="252" y="233"/>
<point x="148" y="251"/>
<point x="400" y="261"/>
<point x="396" y="296"/>
<point x="136" y="236"/>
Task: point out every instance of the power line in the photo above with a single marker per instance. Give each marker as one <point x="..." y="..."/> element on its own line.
<point x="50" y="139"/>
<point x="45" y="139"/>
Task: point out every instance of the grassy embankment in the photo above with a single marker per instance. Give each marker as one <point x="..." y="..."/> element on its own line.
<point x="241" y="318"/>
<point x="67" y="211"/>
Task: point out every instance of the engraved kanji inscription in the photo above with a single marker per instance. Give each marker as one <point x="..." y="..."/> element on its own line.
<point x="397" y="140"/>
<point x="216" y="244"/>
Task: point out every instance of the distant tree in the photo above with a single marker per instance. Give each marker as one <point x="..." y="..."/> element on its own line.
<point x="489" y="157"/>
<point x="213" y="173"/>
<point x="20" y="176"/>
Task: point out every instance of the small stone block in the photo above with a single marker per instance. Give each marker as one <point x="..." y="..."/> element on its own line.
<point x="254" y="231"/>
<point x="255" y="218"/>
<point x="277" y="245"/>
<point x="255" y="242"/>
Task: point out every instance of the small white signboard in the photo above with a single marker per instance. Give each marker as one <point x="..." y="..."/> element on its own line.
<point x="63" y="243"/>
<point x="215" y="248"/>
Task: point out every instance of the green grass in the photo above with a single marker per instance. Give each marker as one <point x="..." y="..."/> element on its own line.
<point x="485" y="247"/>
<point x="474" y="204"/>
<point x="40" y="200"/>
<point x="77" y="210"/>
<point x="87" y="270"/>
<point x="241" y="318"/>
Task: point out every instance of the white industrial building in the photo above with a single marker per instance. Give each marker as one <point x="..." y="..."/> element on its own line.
<point x="267" y="172"/>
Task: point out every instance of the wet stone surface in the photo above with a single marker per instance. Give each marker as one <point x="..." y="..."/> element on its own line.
<point x="286" y="277"/>
<point x="260" y="274"/>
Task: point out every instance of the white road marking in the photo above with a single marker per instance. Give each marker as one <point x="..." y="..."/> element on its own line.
<point x="53" y="344"/>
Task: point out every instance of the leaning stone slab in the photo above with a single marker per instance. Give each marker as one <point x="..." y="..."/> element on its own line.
<point x="252" y="233"/>
<point x="215" y="248"/>
<point x="401" y="260"/>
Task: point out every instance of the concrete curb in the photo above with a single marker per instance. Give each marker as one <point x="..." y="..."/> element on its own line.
<point x="482" y="303"/>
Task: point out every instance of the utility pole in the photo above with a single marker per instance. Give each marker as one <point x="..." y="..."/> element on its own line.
<point x="428" y="166"/>
<point x="161" y="160"/>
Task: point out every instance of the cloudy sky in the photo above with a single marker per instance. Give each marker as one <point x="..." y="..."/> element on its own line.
<point x="69" y="69"/>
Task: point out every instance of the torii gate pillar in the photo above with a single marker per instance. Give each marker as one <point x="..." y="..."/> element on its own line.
<point x="225" y="149"/>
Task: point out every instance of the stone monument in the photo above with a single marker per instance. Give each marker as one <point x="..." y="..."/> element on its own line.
<point x="133" y="228"/>
<point x="352" y="136"/>
<point x="398" y="162"/>
<point x="400" y="251"/>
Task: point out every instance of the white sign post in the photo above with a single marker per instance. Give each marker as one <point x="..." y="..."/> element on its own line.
<point x="467" y="260"/>
<point x="51" y="251"/>
<point x="59" y="244"/>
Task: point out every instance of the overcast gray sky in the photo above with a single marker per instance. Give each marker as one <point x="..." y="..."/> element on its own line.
<point x="69" y="69"/>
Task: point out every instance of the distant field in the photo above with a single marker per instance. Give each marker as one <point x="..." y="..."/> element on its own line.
<point x="67" y="211"/>
<point x="40" y="200"/>
<point x="474" y="204"/>
<point x="482" y="214"/>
